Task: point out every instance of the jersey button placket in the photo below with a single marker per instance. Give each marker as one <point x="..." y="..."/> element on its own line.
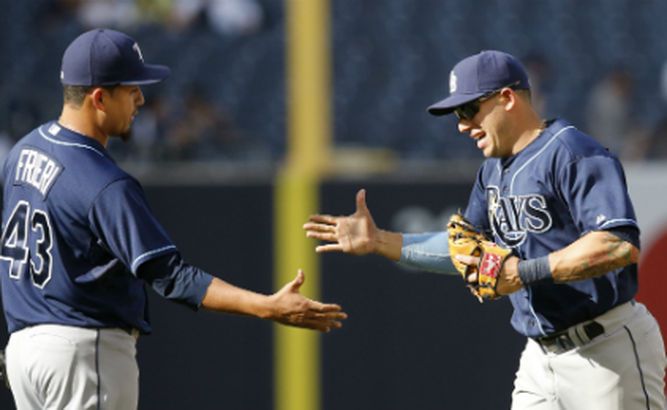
<point x="503" y="183"/>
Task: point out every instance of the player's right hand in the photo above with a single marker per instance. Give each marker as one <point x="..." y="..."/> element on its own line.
<point x="355" y="234"/>
<point x="291" y="308"/>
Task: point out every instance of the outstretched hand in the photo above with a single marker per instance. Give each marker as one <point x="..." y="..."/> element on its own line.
<point x="292" y="308"/>
<point x="355" y="234"/>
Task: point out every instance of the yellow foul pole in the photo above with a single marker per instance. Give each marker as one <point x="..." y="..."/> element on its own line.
<point x="296" y="357"/>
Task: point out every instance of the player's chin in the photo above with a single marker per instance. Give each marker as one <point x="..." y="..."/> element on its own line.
<point x="490" y="152"/>
<point x="487" y="153"/>
<point x="125" y="135"/>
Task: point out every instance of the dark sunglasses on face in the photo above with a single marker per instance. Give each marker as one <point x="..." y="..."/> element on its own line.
<point x="468" y="110"/>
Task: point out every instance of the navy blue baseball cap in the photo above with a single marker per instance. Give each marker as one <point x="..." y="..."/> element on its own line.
<point x="478" y="75"/>
<point x="107" y="57"/>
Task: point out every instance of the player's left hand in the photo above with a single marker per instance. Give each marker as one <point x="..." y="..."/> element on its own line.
<point x="291" y="308"/>
<point x="508" y="279"/>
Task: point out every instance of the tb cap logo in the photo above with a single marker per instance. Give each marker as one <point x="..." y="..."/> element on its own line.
<point x="452" y="82"/>
<point x="136" y="48"/>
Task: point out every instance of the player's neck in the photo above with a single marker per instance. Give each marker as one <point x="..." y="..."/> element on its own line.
<point x="528" y="133"/>
<point x="81" y="122"/>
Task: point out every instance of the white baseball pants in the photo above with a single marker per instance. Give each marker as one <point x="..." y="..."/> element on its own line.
<point x="64" y="367"/>
<point x="622" y="369"/>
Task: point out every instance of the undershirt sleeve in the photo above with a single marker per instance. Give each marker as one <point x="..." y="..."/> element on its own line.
<point x="427" y="251"/>
<point x="175" y="280"/>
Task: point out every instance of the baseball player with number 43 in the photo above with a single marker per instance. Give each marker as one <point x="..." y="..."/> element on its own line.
<point x="550" y="224"/>
<point x="80" y="242"/>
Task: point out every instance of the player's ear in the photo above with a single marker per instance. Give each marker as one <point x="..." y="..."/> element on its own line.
<point x="97" y="98"/>
<point x="508" y="98"/>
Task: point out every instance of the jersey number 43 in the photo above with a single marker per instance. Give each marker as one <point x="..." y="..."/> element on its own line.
<point x="27" y="237"/>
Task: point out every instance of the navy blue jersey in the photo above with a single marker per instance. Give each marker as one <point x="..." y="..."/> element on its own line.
<point x="560" y="187"/>
<point x="76" y="229"/>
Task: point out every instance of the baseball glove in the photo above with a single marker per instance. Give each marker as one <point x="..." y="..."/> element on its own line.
<point x="465" y="239"/>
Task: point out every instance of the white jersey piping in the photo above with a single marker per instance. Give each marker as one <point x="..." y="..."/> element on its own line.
<point x="68" y="144"/>
<point x="536" y="155"/>
<point x="143" y="256"/>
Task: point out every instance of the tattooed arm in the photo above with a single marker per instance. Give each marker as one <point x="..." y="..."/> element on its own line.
<point x="592" y="255"/>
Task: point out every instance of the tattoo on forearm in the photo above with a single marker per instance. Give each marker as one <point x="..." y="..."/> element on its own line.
<point x="616" y="255"/>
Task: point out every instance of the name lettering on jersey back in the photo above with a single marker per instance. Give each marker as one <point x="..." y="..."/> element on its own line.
<point x="36" y="169"/>
<point x="513" y="216"/>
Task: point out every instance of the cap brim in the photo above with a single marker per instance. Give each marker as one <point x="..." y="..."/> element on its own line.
<point x="448" y="105"/>
<point x="152" y="73"/>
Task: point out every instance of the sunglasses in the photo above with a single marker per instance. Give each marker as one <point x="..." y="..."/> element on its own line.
<point x="468" y="110"/>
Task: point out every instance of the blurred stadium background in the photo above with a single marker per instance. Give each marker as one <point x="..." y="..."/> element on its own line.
<point x="211" y="146"/>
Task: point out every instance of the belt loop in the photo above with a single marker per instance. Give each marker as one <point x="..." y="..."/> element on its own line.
<point x="583" y="339"/>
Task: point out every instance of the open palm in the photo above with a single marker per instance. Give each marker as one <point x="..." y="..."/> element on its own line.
<point x="354" y="234"/>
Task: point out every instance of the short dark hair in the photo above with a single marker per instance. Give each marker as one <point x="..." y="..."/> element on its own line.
<point x="75" y="94"/>
<point x="526" y="93"/>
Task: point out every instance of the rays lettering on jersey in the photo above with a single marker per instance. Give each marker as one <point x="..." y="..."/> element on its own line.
<point x="36" y="169"/>
<point x="513" y="216"/>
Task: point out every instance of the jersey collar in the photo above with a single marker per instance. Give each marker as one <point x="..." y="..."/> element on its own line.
<point x="68" y="136"/>
<point x="552" y="127"/>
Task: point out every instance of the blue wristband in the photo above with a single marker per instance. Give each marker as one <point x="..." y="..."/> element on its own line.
<point x="534" y="270"/>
